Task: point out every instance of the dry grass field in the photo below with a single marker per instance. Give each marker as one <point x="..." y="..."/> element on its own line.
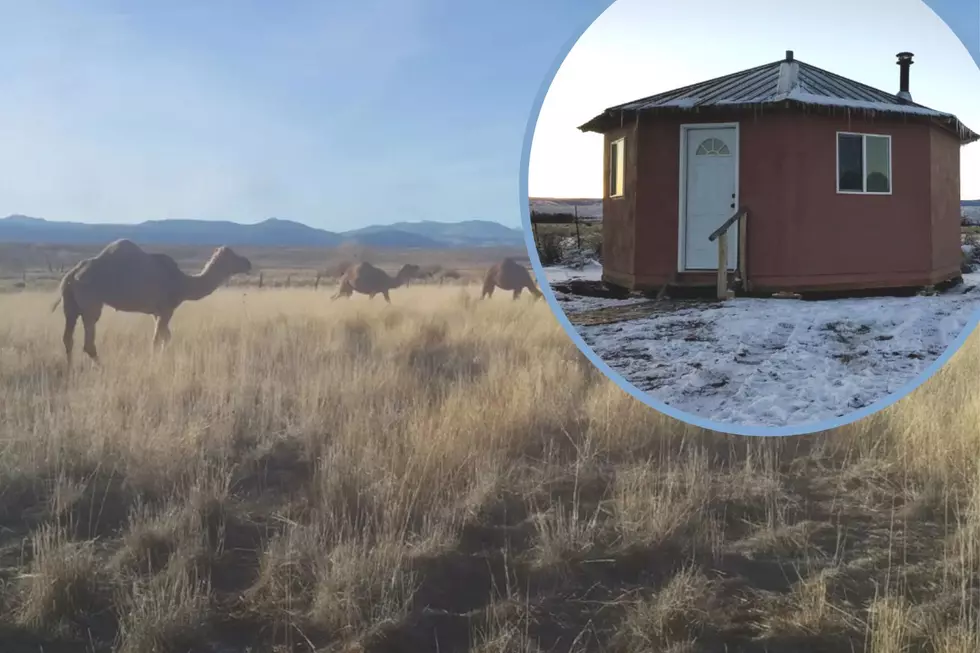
<point x="445" y="474"/>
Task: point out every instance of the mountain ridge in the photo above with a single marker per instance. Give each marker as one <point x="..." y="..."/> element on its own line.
<point x="271" y="232"/>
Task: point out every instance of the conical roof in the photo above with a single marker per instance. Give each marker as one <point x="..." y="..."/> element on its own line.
<point x="787" y="80"/>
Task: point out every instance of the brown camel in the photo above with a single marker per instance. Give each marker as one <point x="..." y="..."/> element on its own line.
<point x="509" y="275"/>
<point x="427" y="272"/>
<point x="369" y="280"/>
<point x="448" y="275"/>
<point x="129" y="279"/>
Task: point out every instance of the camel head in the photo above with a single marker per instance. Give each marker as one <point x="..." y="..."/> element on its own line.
<point x="228" y="263"/>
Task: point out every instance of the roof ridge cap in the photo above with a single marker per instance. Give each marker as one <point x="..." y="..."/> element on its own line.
<point x="693" y="85"/>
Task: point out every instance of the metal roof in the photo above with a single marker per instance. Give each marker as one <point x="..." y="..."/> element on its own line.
<point x="786" y="80"/>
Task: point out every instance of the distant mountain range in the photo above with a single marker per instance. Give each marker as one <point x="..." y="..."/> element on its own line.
<point x="273" y="232"/>
<point x="587" y="208"/>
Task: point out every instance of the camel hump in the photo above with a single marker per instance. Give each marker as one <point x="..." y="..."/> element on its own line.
<point x="122" y="247"/>
<point x="123" y="244"/>
<point x="514" y="274"/>
<point x="359" y="271"/>
<point x="511" y="267"/>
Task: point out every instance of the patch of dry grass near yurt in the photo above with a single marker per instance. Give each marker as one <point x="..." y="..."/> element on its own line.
<point x="447" y="474"/>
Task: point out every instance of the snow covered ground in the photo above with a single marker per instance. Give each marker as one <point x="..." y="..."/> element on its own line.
<point x="591" y="271"/>
<point x="774" y="362"/>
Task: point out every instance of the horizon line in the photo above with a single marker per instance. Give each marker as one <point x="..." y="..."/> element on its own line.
<point x="375" y="224"/>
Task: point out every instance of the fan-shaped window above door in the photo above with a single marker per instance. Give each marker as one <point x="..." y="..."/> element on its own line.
<point x="712" y="147"/>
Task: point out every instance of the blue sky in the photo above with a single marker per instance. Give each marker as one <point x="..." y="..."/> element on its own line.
<point x="638" y="48"/>
<point x="334" y="113"/>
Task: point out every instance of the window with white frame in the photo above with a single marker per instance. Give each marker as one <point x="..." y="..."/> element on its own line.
<point x="617" y="167"/>
<point x="864" y="163"/>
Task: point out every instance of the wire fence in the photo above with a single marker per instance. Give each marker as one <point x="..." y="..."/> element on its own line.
<point x="563" y="238"/>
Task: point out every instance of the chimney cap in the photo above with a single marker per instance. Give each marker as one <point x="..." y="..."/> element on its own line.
<point x="904" y="57"/>
<point x="789" y="55"/>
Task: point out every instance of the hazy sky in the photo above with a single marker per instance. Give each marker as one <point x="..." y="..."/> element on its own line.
<point x="638" y="48"/>
<point x="334" y="113"/>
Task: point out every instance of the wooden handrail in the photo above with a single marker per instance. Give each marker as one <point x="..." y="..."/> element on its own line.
<point x="721" y="235"/>
<point x="728" y="223"/>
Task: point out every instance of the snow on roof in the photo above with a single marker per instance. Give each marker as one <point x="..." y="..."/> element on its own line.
<point x="783" y="81"/>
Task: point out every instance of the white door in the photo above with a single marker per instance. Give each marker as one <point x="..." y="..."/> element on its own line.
<point x="712" y="155"/>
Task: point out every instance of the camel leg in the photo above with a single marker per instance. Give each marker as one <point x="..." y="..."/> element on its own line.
<point x="90" y="318"/>
<point x="161" y="334"/>
<point x="343" y="291"/>
<point x="517" y="293"/>
<point x="71" y="319"/>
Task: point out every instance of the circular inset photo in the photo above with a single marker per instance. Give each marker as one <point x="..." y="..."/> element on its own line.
<point x="761" y="219"/>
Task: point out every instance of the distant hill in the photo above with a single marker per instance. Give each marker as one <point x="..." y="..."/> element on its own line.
<point x="586" y="208"/>
<point x="273" y="232"/>
<point x="469" y="233"/>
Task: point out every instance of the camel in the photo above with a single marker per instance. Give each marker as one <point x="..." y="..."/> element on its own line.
<point x="437" y="273"/>
<point x="369" y="280"/>
<point x="129" y="279"/>
<point x="448" y="275"/>
<point x="509" y="275"/>
<point x="427" y="272"/>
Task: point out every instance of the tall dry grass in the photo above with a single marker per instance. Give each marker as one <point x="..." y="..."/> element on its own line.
<point x="448" y="474"/>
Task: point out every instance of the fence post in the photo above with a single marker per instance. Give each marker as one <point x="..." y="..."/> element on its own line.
<point x="742" y="254"/>
<point x="578" y="235"/>
<point x="723" y="265"/>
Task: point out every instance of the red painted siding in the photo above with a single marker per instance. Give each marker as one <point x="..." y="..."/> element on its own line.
<point x="945" y="199"/>
<point x="802" y="234"/>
